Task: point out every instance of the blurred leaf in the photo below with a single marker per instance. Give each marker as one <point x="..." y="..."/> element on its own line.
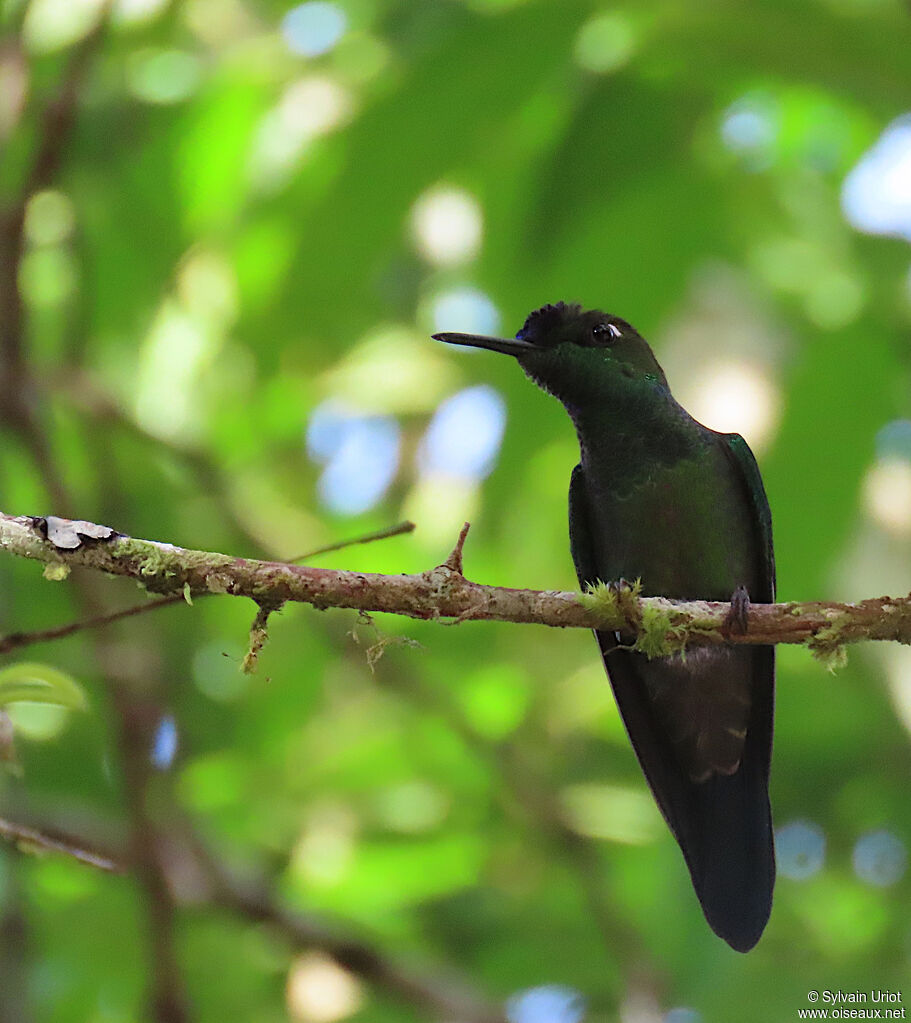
<point x="29" y="682"/>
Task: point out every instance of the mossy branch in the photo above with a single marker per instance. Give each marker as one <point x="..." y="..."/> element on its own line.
<point x="653" y="625"/>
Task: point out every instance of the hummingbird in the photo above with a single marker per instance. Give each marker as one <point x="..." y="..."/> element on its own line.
<point x="661" y="498"/>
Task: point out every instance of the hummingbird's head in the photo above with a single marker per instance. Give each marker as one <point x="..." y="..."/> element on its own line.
<point x="574" y="353"/>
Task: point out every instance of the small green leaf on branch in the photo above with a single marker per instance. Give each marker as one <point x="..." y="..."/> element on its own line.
<point x="30" y="682"/>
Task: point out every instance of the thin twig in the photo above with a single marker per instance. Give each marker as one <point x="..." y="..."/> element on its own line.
<point x="15" y="640"/>
<point x="397" y="530"/>
<point x="57" y="842"/>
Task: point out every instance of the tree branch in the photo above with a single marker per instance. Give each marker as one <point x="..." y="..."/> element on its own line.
<point x="16" y="640"/>
<point x="654" y="625"/>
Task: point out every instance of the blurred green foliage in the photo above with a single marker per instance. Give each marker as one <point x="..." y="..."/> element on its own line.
<point x="233" y="239"/>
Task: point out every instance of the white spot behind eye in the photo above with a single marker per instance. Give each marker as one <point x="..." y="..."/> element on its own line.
<point x="614" y="329"/>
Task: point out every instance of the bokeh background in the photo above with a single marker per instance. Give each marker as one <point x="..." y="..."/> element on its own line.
<point x="228" y="228"/>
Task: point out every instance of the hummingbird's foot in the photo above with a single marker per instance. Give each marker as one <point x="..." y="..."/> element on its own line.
<point x="737" y="619"/>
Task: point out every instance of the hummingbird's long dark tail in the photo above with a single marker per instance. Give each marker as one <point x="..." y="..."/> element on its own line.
<point x="723" y="823"/>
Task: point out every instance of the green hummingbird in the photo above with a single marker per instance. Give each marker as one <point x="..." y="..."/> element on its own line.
<point x="659" y="497"/>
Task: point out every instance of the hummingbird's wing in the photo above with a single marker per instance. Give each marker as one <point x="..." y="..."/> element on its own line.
<point x="744" y="464"/>
<point x="722" y="821"/>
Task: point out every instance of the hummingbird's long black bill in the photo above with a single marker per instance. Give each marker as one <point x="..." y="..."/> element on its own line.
<point x="509" y="346"/>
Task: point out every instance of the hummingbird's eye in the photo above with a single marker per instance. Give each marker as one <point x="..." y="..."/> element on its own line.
<point x="604" y="333"/>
